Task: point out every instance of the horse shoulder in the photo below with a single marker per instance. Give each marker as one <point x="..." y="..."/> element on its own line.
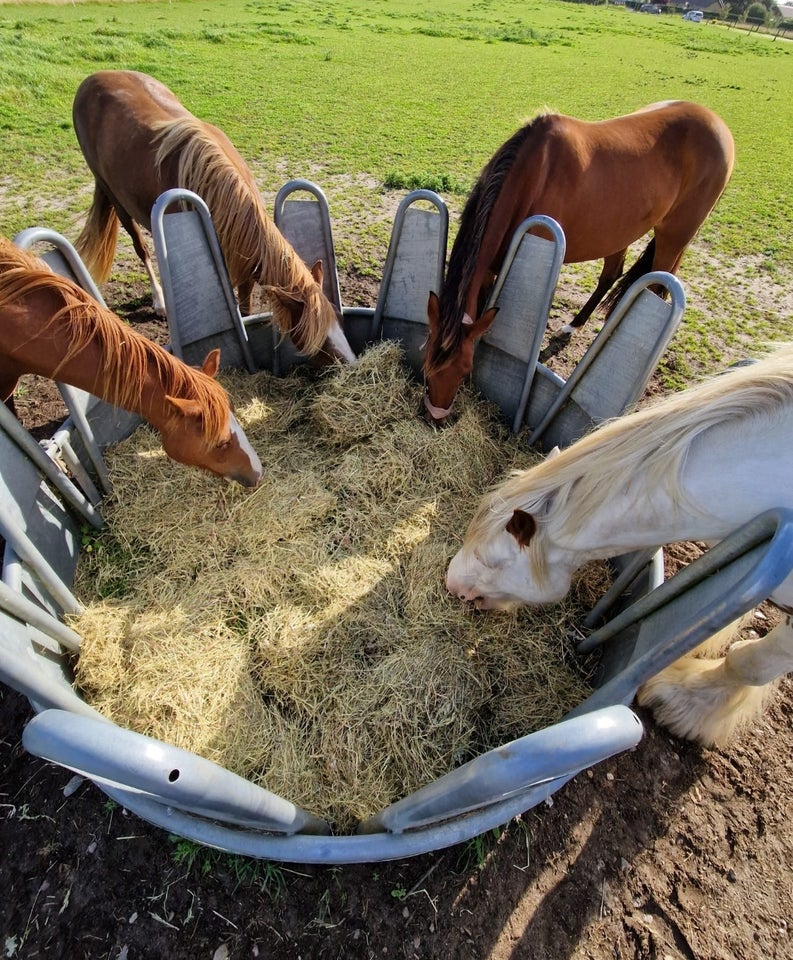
<point x="544" y="170"/>
<point x="742" y="467"/>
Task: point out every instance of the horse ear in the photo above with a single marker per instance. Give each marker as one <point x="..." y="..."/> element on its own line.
<point x="211" y="364"/>
<point x="317" y="272"/>
<point x="522" y="526"/>
<point x="433" y="309"/>
<point x="184" y="407"/>
<point x="480" y="326"/>
<point x="553" y="453"/>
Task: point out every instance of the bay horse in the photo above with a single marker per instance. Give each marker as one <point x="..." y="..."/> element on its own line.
<point x="607" y="183"/>
<point x="51" y="327"/>
<point x="139" y="141"/>
<point x="692" y="467"/>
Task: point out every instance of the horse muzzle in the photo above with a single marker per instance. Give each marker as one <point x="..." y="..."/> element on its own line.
<point x="435" y="415"/>
<point x="244" y="479"/>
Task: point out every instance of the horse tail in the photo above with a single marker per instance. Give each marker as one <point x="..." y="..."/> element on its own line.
<point x="643" y="265"/>
<point x="96" y="244"/>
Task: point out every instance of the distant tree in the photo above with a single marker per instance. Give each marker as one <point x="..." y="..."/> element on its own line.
<point x="738" y="7"/>
<point x="757" y="11"/>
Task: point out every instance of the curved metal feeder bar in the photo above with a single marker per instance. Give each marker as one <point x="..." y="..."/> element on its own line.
<point x="190" y="796"/>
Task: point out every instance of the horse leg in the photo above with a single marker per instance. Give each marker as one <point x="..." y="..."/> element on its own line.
<point x="708" y="700"/>
<point x="142" y="250"/>
<point x="612" y="270"/>
<point x="671" y="243"/>
<point x="667" y="256"/>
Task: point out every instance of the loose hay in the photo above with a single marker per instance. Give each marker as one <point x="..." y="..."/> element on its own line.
<point x="300" y="634"/>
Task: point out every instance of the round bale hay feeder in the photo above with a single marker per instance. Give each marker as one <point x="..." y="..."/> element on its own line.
<point x="45" y="511"/>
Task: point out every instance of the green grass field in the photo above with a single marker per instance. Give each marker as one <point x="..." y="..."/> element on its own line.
<point x="357" y="94"/>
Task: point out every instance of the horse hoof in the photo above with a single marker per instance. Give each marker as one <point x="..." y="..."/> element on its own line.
<point x="559" y="330"/>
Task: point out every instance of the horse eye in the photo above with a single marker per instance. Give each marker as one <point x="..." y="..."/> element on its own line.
<point x="488" y="560"/>
<point x="224" y="444"/>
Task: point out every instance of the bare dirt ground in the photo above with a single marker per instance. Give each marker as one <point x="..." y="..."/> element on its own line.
<point x="669" y="852"/>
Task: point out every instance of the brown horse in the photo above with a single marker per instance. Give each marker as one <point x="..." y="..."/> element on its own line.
<point x="607" y="184"/>
<point x="139" y="141"/>
<point x="49" y="326"/>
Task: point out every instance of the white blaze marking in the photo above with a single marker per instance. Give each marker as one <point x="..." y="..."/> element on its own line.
<point x="245" y="444"/>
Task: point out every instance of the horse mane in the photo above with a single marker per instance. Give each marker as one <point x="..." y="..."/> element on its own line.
<point x="125" y="353"/>
<point x="652" y="443"/>
<point x="252" y="245"/>
<point x="468" y="244"/>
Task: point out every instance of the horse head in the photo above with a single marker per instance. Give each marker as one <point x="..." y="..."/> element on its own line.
<point x="501" y="571"/>
<point x="316" y="327"/>
<point x="511" y="558"/>
<point x="449" y="358"/>
<point x="185" y="439"/>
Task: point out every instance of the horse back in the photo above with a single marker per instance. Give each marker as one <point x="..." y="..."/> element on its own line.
<point x="116" y="116"/>
<point x="608" y="182"/>
<point x="681" y="129"/>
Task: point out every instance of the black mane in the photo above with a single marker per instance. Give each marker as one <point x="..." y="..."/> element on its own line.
<point x="467" y="245"/>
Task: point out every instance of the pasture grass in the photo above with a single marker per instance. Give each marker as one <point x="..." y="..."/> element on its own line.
<point x="371" y="99"/>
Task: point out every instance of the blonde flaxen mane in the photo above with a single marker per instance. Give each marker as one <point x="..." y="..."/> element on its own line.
<point x="252" y="245"/>
<point x="652" y="443"/>
<point x="126" y="355"/>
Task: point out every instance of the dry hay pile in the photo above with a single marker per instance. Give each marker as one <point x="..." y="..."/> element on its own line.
<point x="300" y="634"/>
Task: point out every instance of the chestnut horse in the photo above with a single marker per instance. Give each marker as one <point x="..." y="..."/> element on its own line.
<point x="694" y="466"/>
<point x="51" y="327"/>
<point x="139" y="141"/>
<point x="607" y="184"/>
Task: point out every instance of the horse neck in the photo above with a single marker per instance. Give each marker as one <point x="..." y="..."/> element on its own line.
<point x="144" y="394"/>
<point x="627" y="521"/>
<point x="199" y="156"/>
<point x="719" y="489"/>
<point x="281" y="267"/>
<point x="254" y="248"/>
<point x="469" y="264"/>
<point x="503" y="198"/>
<point x="252" y="244"/>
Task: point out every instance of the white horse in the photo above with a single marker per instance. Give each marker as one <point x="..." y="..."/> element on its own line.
<point x="694" y="466"/>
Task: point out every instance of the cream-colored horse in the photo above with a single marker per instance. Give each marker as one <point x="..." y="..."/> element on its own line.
<point x="694" y="466"/>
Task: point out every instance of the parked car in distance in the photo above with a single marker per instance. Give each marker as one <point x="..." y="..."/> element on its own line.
<point x="696" y="15"/>
<point x="649" y="8"/>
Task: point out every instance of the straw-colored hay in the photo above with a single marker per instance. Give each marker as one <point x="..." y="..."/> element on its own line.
<point x="300" y="634"/>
